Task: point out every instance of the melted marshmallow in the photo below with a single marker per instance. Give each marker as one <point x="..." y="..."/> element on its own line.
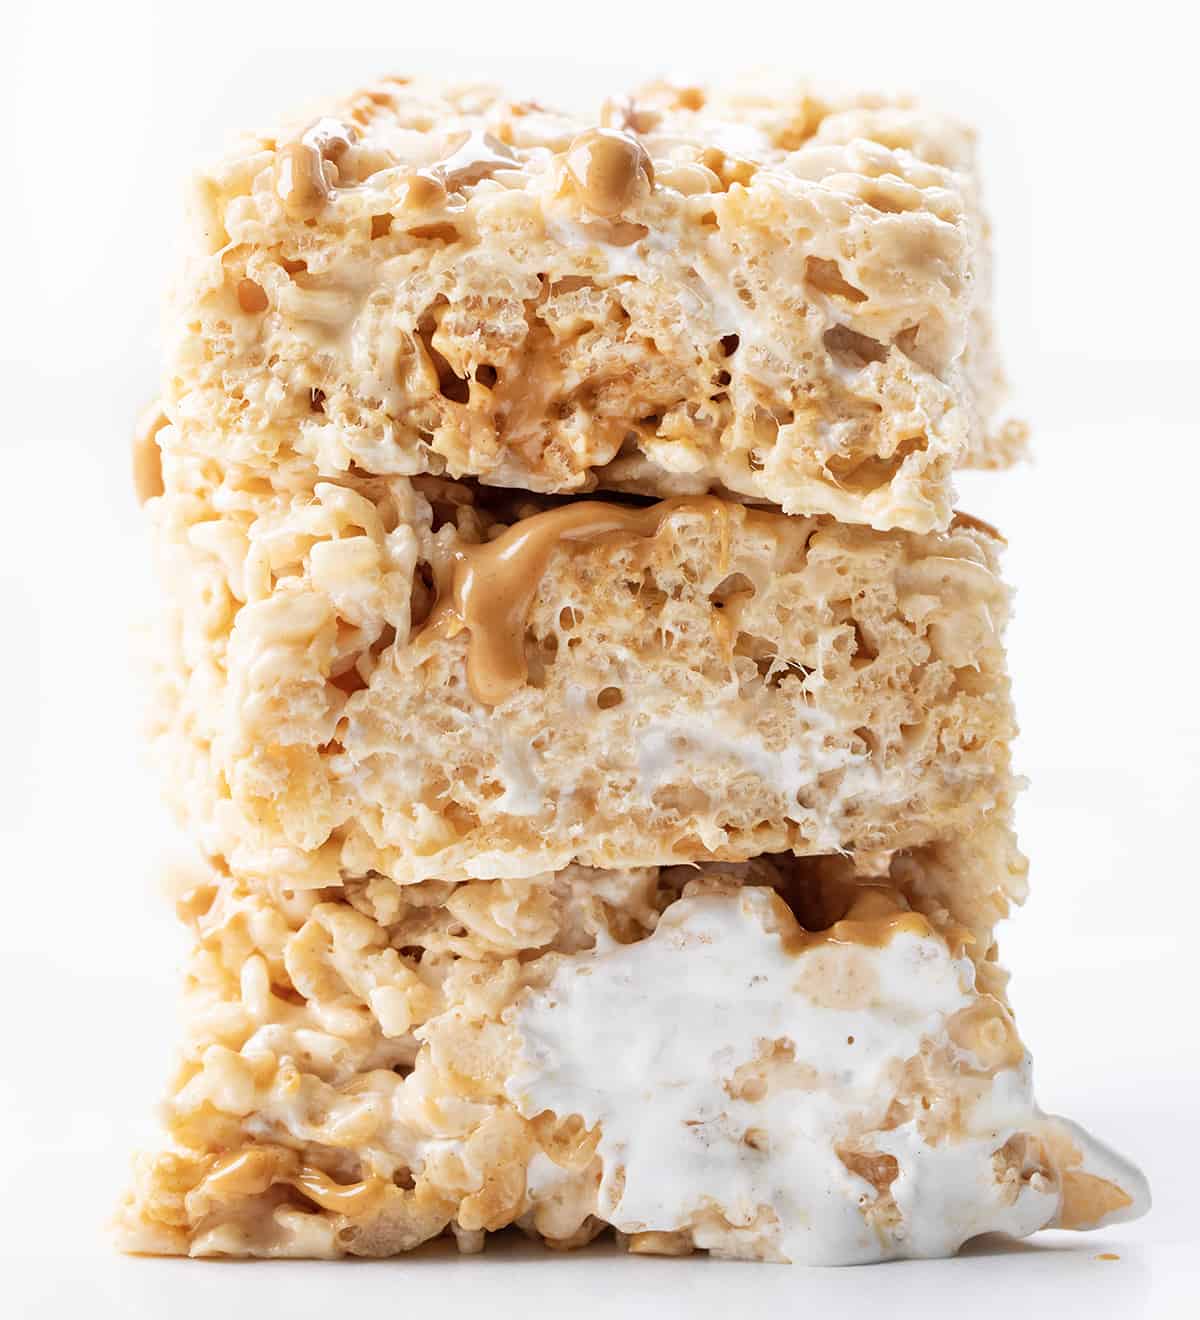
<point x="646" y="1040"/>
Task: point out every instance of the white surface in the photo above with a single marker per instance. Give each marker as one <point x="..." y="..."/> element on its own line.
<point x="1089" y="154"/>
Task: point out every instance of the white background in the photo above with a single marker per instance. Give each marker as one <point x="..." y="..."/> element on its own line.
<point x="1090" y="156"/>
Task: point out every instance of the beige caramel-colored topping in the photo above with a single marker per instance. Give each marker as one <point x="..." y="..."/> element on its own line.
<point x="1087" y="1199"/>
<point x="330" y="137"/>
<point x="874" y="916"/>
<point x="251" y="296"/>
<point x="608" y="168"/>
<point x="300" y="179"/>
<point x="877" y="1169"/>
<point x="986" y="1030"/>
<point x="359" y="1198"/>
<point x="494" y="584"/>
<point x="304" y="170"/>
<point x="251" y="1171"/>
<point x="971" y="523"/>
<point x="147" y="457"/>
<point x="481" y="155"/>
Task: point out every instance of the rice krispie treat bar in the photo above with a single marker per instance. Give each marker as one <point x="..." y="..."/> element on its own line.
<point x="590" y="708"/>
<point x="780" y="298"/>
<point x="425" y="679"/>
<point x="771" y="1060"/>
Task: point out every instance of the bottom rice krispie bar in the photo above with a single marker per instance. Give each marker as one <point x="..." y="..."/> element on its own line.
<point x="774" y="1059"/>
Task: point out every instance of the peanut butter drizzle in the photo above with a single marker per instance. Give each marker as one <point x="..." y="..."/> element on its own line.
<point x="494" y="583"/>
<point x="1087" y="1199"/>
<point x="300" y="177"/>
<point x="358" y="1198"/>
<point x="875" y="916"/>
<point x="249" y="1172"/>
<point x="607" y="166"/>
<point x="480" y="156"/>
<point x="986" y="1030"/>
<point x="252" y="1171"/>
<point x="968" y="520"/>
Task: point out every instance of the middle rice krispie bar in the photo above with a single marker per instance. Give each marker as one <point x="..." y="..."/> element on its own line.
<point x="420" y="679"/>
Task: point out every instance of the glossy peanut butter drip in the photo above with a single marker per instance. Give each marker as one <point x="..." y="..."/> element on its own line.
<point x="252" y="1170"/>
<point x="607" y="167"/>
<point x="308" y="170"/>
<point x="494" y="584"/>
<point x="479" y="157"/>
<point x="1087" y="1198"/>
<point x="969" y="520"/>
<point x="875" y="914"/>
<point x="872" y="916"/>
<point x="987" y="1029"/>
<point x="301" y="178"/>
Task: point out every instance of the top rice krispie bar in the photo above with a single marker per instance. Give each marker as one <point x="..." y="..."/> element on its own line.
<point x="777" y="297"/>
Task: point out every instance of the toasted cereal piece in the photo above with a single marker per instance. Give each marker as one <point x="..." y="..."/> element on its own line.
<point x="778" y="298"/>
<point x="423" y="679"/>
<point x="772" y="1060"/>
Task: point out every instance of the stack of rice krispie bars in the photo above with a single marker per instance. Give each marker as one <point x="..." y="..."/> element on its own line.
<point x="590" y="709"/>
